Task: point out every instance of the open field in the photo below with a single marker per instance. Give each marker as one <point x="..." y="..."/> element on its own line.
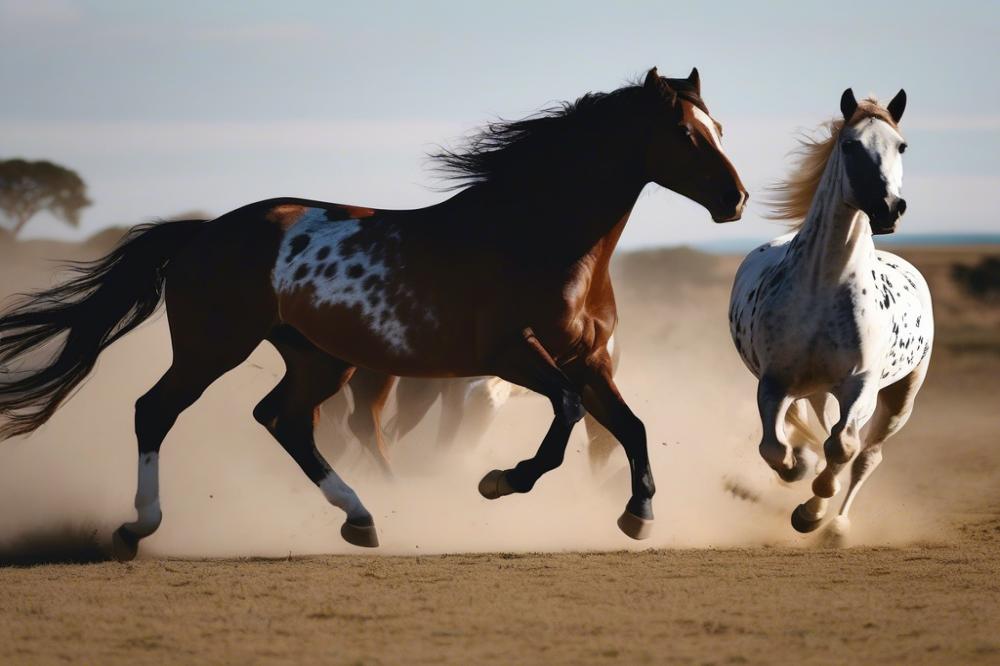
<point x="461" y="580"/>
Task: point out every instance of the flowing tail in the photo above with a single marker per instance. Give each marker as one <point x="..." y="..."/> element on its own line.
<point x="107" y="299"/>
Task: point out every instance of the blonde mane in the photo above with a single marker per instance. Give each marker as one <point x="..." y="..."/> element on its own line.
<point x="792" y="197"/>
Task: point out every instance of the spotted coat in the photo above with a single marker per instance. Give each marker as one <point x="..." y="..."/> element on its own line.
<point x="877" y="317"/>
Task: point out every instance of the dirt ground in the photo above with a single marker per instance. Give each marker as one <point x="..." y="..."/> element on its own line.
<point x="247" y="567"/>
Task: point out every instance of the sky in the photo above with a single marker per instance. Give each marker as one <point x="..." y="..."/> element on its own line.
<point x="165" y="108"/>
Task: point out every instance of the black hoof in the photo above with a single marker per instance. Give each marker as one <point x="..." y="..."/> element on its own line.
<point x="495" y="485"/>
<point x="364" y="536"/>
<point x="124" y="545"/>
<point x="635" y="527"/>
<point x="802" y="522"/>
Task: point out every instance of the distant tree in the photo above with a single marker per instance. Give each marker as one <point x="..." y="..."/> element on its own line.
<point x="28" y="188"/>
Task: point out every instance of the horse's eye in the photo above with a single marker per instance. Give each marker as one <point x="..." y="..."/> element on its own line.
<point x="849" y="144"/>
<point x="902" y="148"/>
<point x="687" y="130"/>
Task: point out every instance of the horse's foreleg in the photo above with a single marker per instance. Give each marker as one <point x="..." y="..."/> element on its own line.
<point x="288" y="413"/>
<point x="839" y="448"/>
<point x="604" y="402"/>
<point x="773" y="403"/>
<point x="529" y="365"/>
<point x="895" y="404"/>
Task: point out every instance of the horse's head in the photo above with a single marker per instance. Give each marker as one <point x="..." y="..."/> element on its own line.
<point x="872" y="157"/>
<point x="684" y="153"/>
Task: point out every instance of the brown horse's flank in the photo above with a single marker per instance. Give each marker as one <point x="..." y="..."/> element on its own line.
<point x="509" y="277"/>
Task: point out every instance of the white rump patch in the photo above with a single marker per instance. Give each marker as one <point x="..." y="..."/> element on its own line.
<point x="342" y="280"/>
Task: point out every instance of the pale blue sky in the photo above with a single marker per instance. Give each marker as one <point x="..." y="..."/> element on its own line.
<point x="167" y="107"/>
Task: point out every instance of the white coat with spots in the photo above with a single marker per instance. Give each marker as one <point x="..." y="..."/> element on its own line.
<point x="821" y="317"/>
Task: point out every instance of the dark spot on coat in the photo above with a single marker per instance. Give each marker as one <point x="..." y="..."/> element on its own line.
<point x="331" y="270"/>
<point x="301" y="272"/>
<point x="355" y="271"/>
<point x="323" y="253"/>
<point x="319" y="269"/>
<point x="296" y="246"/>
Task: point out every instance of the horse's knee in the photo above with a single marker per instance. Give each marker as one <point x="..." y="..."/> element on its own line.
<point x="568" y="406"/>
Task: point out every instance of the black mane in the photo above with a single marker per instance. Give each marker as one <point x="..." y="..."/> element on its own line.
<point x="509" y="149"/>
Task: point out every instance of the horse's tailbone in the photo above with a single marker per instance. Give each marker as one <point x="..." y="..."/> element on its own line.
<point x="105" y="300"/>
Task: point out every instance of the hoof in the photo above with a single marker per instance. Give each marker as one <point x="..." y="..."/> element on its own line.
<point x="495" y="485"/>
<point x="124" y="545"/>
<point x="806" y="461"/>
<point x="803" y="521"/>
<point x="364" y="536"/>
<point x="635" y="527"/>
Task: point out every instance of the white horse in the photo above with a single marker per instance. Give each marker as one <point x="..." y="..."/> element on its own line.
<point x="820" y="312"/>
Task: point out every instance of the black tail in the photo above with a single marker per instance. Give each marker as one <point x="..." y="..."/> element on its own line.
<point x="107" y="299"/>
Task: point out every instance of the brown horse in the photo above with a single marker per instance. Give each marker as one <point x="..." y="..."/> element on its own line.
<point x="509" y="277"/>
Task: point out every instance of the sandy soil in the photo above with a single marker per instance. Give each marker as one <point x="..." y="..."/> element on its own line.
<point x="247" y="566"/>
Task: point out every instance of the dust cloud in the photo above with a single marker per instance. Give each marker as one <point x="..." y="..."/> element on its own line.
<point x="228" y="489"/>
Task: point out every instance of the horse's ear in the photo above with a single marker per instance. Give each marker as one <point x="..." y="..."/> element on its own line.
<point x="657" y="84"/>
<point x="848" y="105"/>
<point x="897" y="106"/>
<point x="652" y="80"/>
<point x="695" y="80"/>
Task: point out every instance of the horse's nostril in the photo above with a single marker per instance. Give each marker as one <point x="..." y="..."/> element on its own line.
<point x="901" y="206"/>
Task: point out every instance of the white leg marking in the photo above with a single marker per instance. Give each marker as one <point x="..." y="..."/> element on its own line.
<point x="341" y="495"/>
<point x="147" y="496"/>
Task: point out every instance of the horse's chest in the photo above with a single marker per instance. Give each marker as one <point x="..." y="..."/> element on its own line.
<point x="814" y="335"/>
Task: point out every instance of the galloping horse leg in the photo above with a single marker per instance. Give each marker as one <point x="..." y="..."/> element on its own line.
<point x="288" y="413"/>
<point x="839" y="448"/>
<point x="414" y="398"/>
<point x="371" y="392"/>
<point x="600" y="443"/>
<point x="773" y="403"/>
<point x="529" y="365"/>
<point x="895" y="404"/>
<point x="197" y="362"/>
<point x="603" y="400"/>
<point x="453" y="407"/>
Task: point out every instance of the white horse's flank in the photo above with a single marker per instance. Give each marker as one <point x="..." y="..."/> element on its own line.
<point x="820" y="312"/>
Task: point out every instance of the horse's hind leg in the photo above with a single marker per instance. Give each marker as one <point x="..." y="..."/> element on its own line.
<point x="856" y="398"/>
<point x="288" y="412"/>
<point x="414" y="398"/>
<point x="371" y="392"/>
<point x="895" y="404"/>
<point x="198" y="360"/>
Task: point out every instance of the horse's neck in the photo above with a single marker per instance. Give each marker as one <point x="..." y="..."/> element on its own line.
<point x="566" y="217"/>
<point x="834" y="240"/>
